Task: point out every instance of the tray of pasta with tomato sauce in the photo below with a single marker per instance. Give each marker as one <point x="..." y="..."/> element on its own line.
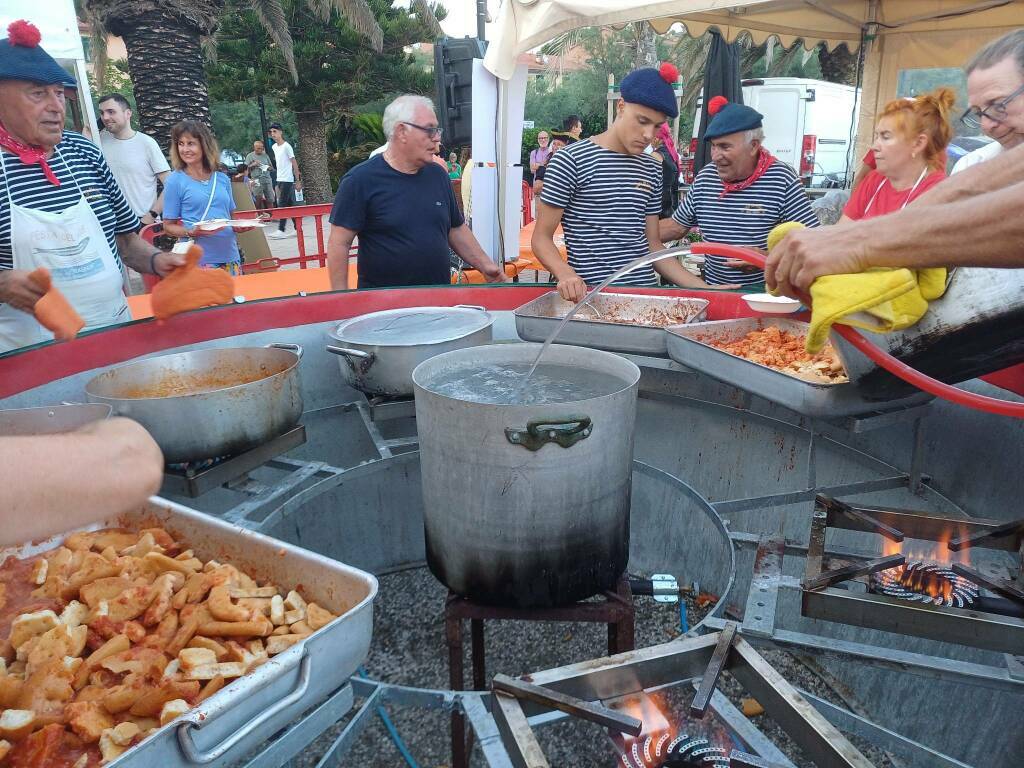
<point x="167" y="638"/>
<point x="765" y="356"/>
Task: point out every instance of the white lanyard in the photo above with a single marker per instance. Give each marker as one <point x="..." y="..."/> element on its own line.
<point x="909" y="196"/>
<point x="209" y="202"/>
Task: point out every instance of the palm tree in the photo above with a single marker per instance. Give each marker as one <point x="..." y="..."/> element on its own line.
<point x="838" y="65"/>
<point x="167" y="41"/>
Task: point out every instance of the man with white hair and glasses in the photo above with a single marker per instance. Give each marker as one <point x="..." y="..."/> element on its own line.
<point x="401" y="205"/>
<point x="740" y="196"/>
<point x="995" y="94"/>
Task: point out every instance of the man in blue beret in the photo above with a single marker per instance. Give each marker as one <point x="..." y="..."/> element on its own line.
<point x="60" y="207"/>
<point x="740" y="196"/>
<point x="606" y="193"/>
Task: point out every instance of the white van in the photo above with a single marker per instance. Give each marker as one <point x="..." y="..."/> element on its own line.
<point x="808" y="124"/>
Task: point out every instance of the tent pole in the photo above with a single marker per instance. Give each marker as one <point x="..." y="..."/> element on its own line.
<point x="611" y="101"/>
<point x="871" y="82"/>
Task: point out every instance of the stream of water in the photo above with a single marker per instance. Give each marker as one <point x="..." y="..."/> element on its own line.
<point x="664" y="253"/>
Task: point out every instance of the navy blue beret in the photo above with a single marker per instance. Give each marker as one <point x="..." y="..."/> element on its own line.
<point x="22" y="58"/>
<point x="730" y="118"/>
<point x="652" y="88"/>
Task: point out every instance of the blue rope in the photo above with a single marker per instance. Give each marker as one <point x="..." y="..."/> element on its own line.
<point x="392" y="731"/>
<point x="684" y="625"/>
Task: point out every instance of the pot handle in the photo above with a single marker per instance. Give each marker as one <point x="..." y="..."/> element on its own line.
<point x="197" y="720"/>
<point x="471" y="306"/>
<point x="566" y="432"/>
<point x="366" y="359"/>
<point x="297" y="349"/>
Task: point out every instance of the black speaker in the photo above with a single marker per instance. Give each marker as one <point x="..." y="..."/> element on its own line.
<point x="453" y="72"/>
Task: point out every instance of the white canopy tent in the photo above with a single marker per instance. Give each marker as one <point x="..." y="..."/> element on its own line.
<point x="898" y="35"/>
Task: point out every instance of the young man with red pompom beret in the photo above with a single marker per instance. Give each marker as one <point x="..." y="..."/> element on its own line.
<point x="740" y="196"/>
<point x="606" y="193"/>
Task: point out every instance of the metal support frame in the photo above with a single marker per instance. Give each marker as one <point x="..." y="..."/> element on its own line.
<point x="629" y="673"/>
<point x="974" y="628"/>
<point x="615" y="609"/>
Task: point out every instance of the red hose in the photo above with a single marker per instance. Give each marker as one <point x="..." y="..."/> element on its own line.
<point x="878" y="356"/>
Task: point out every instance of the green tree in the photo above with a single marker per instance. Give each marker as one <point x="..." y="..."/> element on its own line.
<point x="166" y="41"/>
<point x="338" y="70"/>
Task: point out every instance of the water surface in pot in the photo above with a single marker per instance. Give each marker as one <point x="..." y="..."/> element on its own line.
<point x="499" y="384"/>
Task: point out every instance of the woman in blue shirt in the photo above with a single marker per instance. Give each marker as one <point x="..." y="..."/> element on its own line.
<point x="196" y="192"/>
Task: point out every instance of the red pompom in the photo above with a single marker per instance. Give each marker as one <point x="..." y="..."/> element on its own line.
<point x="668" y="72"/>
<point x="716" y="104"/>
<point x="23" y="33"/>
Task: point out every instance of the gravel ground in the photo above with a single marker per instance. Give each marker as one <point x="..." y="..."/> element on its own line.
<point x="409" y="649"/>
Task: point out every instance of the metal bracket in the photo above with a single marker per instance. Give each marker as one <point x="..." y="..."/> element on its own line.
<point x="665" y="587"/>
<point x="759" y="615"/>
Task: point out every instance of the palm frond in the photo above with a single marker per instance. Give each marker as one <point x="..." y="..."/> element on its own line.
<point x="357" y="13"/>
<point x="272" y="17"/>
<point x="426" y="15"/>
<point x="564" y="43"/>
<point x="97" y="41"/>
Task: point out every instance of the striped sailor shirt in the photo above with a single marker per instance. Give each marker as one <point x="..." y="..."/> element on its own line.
<point x="606" y="198"/>
<point x="29" y="188"/>
<point x="744" y="217"/>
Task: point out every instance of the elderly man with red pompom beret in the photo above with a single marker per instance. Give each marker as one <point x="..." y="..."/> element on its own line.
<point x="740" y="196"/>
<point x="606" y="194"/>
<point x="60" y="208"/>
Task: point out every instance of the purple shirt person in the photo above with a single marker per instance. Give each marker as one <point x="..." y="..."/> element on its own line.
<point x="540" y="155"/>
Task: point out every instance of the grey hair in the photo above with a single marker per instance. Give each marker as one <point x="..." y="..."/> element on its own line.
<point x="754" y="134"/>
<point x="1010" y="45"/>
<point x="403" y="110"/>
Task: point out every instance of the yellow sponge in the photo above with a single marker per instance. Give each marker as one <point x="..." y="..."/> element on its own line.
<point x="780" y="231"/>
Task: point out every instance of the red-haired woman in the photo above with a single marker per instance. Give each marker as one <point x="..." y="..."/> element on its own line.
<point x="910" y="155"/>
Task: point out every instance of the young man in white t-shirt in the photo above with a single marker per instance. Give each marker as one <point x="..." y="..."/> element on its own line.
<point x="134" y="158"/>
<point x="288" y="176"/>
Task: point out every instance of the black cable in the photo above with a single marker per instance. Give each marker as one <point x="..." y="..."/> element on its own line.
<point x="858" y="95"/>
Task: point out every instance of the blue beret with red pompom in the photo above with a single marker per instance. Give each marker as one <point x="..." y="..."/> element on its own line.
<point x="22" y="58"/>
<point x="727" y="118"/>
<point x="652" y="88"/>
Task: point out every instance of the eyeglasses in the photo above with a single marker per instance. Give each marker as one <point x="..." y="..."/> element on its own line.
<point x="994" y="112"/>
<point x="431" y="130"/>
<point x="542" y="138"/>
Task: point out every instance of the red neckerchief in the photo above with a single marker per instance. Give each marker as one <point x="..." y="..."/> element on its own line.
<point x="765" y="159"/>
<point x="28" y="154"/>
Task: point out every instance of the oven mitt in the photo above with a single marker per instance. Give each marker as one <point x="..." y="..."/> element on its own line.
<point x="191" y="287"/>
<point x="53" y="311"/>
<point x="879" y="300"/>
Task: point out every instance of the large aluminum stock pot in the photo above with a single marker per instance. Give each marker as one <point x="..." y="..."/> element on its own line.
<point x="379" y="351"/>
<point x="209" y="402"/>
<point x="527" y="505"/>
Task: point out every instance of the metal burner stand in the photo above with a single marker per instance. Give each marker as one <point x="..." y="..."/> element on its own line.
<point x="615" y="609"/>
<point x="701" y="658"/>
<point x="970" y="627"/>
<point x="194" y="483"/>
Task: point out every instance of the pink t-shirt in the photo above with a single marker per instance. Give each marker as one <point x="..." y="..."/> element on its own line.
<point x="875" y="196"/>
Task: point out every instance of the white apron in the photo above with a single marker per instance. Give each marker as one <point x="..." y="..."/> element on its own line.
<point x="73" y="246"/>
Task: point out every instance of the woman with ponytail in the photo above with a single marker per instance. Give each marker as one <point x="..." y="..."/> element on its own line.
<point x="910" y="155"/>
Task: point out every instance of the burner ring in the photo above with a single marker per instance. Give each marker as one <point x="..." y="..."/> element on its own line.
<point x="926" y="583"/>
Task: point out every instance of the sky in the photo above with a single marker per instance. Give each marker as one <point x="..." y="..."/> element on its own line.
<point x="461" y="19"/>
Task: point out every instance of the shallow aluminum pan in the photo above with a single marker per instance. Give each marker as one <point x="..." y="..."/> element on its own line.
<point x="243" y="714"/>
<point x="589" y="327"/>
<point x="686" y="345"/>
<point x="51" y="419"/>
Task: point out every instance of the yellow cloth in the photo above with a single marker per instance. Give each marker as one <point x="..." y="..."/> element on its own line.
<point x="879" y="300"/>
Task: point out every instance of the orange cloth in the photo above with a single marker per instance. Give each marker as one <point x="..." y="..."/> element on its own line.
<point x="191" y="287"/>
<point x="526" y="247"/>
<point x="53" y="311"/>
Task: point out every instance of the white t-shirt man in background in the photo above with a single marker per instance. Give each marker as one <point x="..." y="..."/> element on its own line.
<point x="995" y="87"/>
<point x="134" y="158"/>
<point x="289" y="177"/>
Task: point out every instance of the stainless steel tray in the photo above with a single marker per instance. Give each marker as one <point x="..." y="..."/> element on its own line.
<point x="249" y="710"/>
<point x="632" y="331"/>
<point x="686" y="345"/>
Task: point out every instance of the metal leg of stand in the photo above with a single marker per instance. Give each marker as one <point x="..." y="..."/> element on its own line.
<point x="453" y="637"/>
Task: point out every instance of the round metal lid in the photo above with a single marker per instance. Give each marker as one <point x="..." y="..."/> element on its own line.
<point x="413" y="325"/>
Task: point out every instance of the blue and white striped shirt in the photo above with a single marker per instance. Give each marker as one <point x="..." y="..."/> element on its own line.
<point x="744" y="217"/>
<point x="30" y="189"/>
<point x="606" y="198"/>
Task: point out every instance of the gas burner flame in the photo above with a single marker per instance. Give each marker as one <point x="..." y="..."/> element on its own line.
<point x="927" y="583"/>
<point x="661" y="744"/>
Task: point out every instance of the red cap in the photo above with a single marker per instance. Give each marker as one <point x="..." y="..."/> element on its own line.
<point x="23" y="33"/>
<point x="716" y="104"/>
<point x="668" y="71"/>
